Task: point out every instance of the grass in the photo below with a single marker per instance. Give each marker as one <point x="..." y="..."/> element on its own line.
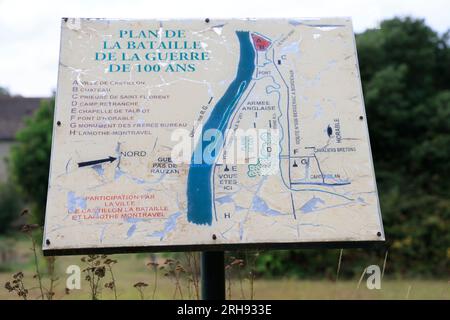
<point x="132" y="269"/>
<point x="264" y="289"/>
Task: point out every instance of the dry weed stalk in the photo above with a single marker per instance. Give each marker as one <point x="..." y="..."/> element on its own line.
<point x="251" y="262"/>
<point x="95" y="272"/>
<point x="52" y="277"/>
<point x="17" y="286"/>
<point x="193" y="266"/>
<point x="140" y="286"/>
<point x="28" y="230"/>
<point x="112" y="284"/>
<point x="174" y="270"/>
<point x="154" y="266"/>
<point x="234" y="262"/>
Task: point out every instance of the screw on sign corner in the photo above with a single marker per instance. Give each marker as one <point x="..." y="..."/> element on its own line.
<point x="214" y="237"/>
<point x="361" y="118"/>
<point x="58" y="123"/>
<point x="207" y="20"/>
<point x="47" y="242"/>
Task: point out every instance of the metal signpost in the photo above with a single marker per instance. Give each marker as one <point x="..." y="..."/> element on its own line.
<point x="204" y="135"/>
<point x="213" y="275"/>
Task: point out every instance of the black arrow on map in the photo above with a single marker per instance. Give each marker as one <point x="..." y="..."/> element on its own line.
<point x="93" y="162"/>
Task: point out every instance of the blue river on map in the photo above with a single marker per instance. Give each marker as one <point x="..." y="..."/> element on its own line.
<point x="199" y="184"/>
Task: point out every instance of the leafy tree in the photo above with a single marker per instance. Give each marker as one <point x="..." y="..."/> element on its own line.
<point x="30" y="158"/>
<point x="405" y="71"/>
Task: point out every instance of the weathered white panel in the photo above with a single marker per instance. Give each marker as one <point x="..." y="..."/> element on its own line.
<point x="131" y="91"/>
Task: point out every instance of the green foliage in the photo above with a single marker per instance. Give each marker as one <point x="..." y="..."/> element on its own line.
<point x="10" y="206"/>
<point x="408" y="105"/>
<point x="30" y="158"/>
<point x="298" y="263"/>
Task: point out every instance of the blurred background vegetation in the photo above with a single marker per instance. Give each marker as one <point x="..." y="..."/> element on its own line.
<point x="405" y="71"/>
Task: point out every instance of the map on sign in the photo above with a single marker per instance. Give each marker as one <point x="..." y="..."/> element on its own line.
<point x="199" y="132"/>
